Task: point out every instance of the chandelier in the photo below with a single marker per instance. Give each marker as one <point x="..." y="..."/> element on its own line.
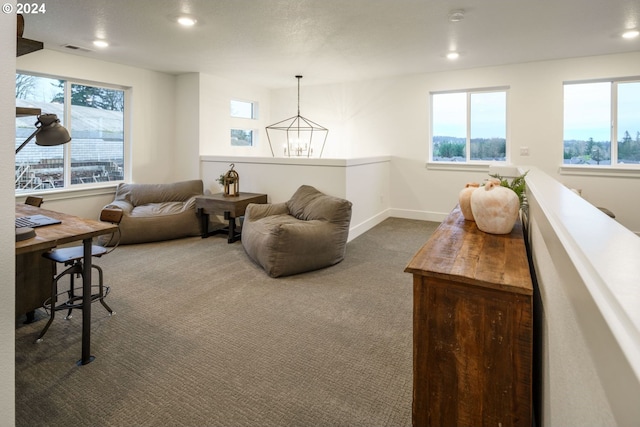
<point x="297" y="135"/>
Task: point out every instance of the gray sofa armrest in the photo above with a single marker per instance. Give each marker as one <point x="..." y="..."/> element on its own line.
<point x="256" y="211"/>
<point x="189" y="204"/>
<point x="121" y="204"/>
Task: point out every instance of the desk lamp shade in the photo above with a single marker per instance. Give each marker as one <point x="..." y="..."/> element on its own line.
<point x="49" y="132"/>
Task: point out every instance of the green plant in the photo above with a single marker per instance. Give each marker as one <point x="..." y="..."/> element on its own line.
<point x="221" y="179"/>
<point x="517" y="184"/>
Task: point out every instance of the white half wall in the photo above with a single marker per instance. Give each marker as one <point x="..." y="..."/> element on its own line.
<point x="589" y="324"/>
<point x="364" y="182"/>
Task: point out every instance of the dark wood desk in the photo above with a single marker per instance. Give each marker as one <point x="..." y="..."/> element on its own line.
<point x="72" y="229"/>
<point x="231" y="207"/>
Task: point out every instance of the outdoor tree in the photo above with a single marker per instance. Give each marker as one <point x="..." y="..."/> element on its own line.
<point x="94" y="97"/>
<point x="448" y="149"/>
<point x="25" y="85"/>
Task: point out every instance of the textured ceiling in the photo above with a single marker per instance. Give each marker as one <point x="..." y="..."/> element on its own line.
<point x="268" y="42"/>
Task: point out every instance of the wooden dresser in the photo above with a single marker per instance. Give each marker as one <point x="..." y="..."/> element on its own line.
<point x="472" y="328"/>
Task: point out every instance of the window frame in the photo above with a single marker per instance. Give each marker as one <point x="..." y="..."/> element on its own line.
<point x="468" y="163"/>
<point x="66" y="119"/>
<point x="254" y="109"/>
<point x="244" y="124"/>
<point x="615" y="168"/>
<point x="254" y="136"/>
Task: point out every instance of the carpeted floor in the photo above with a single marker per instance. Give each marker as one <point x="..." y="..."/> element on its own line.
<point x="203" y="337"/>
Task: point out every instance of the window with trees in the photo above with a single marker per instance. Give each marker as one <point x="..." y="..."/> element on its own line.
<point x="94" y="115"/>
<point x="241" y="137"/>
<point x="597" y="113"/>
<point x="469" y="126"/>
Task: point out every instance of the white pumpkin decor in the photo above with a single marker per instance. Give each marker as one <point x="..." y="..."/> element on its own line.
<point x="464" y="200"/>
<point x="495" y="208"/>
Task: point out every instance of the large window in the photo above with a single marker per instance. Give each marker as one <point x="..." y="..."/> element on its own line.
<point x="597" y="113"/>
<point x="469" y="126"/>
<point x="94" y="116"/>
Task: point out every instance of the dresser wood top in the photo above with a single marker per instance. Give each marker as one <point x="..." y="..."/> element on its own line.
<point x="459" y="251"/>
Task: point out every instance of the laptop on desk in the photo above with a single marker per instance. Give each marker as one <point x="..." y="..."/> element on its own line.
<point x="34" y="221"/>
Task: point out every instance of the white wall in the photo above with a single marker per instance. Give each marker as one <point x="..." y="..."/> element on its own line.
<point x="187" y="127"/>
<point x="7" y="253"/>
<point x="391" y="117"/>
<point x="216" y="121"/>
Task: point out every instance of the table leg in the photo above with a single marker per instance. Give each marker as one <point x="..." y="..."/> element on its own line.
<point x="31" y="317"/>
<point x="232" y="227"/>
<point x="86" y="305"/>
<point x="204" y="223"/>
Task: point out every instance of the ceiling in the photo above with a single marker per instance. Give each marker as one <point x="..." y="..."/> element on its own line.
<point x="268" y="42"/>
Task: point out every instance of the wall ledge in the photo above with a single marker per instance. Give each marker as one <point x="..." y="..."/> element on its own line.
<point x="458" y="167"/>
<point x="73" y="193"/>
<point x="608" y="171"/>
<point x="299" y="161"/>
<point x="603" y="252"/>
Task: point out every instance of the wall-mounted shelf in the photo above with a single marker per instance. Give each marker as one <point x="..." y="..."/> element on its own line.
<point x="24" y="111"/>
<point x="24" y="46"/>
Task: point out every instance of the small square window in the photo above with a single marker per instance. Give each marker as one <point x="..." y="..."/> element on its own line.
<point x="243" y="109"/>
<point x="242" y="138"/>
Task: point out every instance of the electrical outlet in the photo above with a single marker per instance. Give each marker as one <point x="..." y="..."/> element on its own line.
<point x="524" y="151"/>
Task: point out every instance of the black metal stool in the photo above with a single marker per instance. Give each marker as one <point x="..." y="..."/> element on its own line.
<point x="72" y="257"/>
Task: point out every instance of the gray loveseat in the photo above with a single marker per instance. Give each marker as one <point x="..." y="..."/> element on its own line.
<point x="308" y="232"/>
<point x="154" y="212"/>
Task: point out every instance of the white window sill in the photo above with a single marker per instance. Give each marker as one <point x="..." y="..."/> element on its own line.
<point x="465" y="166"/>
<point x="605" y="171"/>
<point x="73" y="193"/>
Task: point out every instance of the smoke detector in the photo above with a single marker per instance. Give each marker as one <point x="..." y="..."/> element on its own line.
<point x="456" y="15"/>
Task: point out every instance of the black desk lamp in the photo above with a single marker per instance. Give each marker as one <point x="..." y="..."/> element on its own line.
<point x="49" y="132"/>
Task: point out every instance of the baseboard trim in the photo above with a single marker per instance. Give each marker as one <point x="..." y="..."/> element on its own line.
<point x="368" y="224"/>
<point x="419" y="215"/>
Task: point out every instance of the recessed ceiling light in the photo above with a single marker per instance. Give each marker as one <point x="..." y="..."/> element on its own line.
<point x="453" y="55"/>
<point x="186" y="21"/>
<point x="631" y="34"/>
<point x="100" y="43"/>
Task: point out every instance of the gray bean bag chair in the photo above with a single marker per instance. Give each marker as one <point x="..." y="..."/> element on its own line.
<point x="306" y="233"/>
<point x="154" y="212"/>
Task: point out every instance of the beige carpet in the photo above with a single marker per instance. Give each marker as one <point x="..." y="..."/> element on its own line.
<point x="203" y="337"/>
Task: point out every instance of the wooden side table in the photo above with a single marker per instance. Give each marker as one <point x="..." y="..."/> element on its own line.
<point x="231" y="207"/>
